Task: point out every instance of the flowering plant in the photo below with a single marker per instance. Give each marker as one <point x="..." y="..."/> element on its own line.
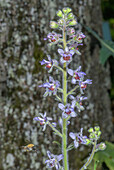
<point x="69" y="42"/>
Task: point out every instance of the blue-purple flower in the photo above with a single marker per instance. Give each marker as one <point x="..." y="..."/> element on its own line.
<point x="78" y="99"/>
<point x="83" y="84"/>
<point x="78" y="138"/>
<point x="53" y="37"/>
<point x="78" y="37"/>
<point x="77" y="75"/>
<point x="43" y="119"/>
<point x="68" y="110"/>
<point x="49" y="64"/>
<point x="51" y="86"/>
<point x="66" y="55"/>
<point x="53" y="160"/>
<point x="71" y="31"/>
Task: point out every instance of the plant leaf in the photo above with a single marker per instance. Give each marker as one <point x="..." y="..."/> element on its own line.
<point x="105" y="53"/>
<point x="106" y="155"/>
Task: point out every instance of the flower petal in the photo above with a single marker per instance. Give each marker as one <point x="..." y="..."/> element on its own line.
<point x="73" y="114"/>
<point x="72" y="135"/>
<point x="71" y="72"/>
<point x="60" y="157"/>
<point x="61" y="106"/>
<point x="61" y="52"/>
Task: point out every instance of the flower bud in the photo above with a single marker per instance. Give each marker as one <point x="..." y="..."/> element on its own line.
<point x="88" y="141"/>
<point x="99" y="133"/>
<point x="60" y="22"/>
<point x="90" y="130"/>
<point x="92" y="135"/>
<point x="101" y="146"/>
<point x="70" y="16"/>
<point x="59" y="13"/>
<point x="53" y="24"/>
<point x="97" y="128"/>
<point x="66" y="10"/>
<point x="73" y="22"/>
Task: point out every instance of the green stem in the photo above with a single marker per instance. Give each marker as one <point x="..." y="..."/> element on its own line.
<point x="64" y="129"/>
<point x="72" y="90"/>
<point x="59" y="68"/>
<point x="58" y="98"/>
<point x="91" y="156"/>
<point x="95" y="165"/>
<point x="54" y="129"/>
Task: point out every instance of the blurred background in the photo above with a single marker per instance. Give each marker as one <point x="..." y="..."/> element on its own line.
<point x="23" y="26"/>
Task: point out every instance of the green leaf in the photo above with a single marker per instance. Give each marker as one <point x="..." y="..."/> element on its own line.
<point x="106" y="155"/>
<point x="105" y="53"/>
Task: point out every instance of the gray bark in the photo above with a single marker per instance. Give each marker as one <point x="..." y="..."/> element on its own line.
<point x="23" y="26"/>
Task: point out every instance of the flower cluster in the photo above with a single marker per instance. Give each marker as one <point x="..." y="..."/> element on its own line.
<point x="67" y="49"/>
<point x="53" y="160"/>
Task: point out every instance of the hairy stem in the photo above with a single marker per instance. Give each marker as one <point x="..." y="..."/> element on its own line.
<point x="91" y="156"/>
<point x="64" y="130"/>
<point x="59" y="68"/>
<point x="72" y="90"/>
<point x="55" y="130"/>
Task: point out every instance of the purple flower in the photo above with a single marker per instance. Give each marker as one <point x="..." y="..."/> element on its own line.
<point x="53" y="160"/>
<point x="43" y="120"/>
<point x="49" y="64"/>
<point x="53" y="37"/>
<point x="68" y="109"/>
<point x="77" y="75"/>
<point x="78" y="37"/>
<point x="71" y="31"/>
<point x="78" y="138"/>
<point x="66" y="55"/>
<point x="78" y="99"/>
<point x="51" y="86"/>
<point x="83" y="84"/>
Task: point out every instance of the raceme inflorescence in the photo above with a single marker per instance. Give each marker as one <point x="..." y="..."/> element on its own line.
<point x="68" y="42"/>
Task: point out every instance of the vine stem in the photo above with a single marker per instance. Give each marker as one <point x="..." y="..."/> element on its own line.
<point x="64" y="129"/>
<point x="91" y="156"/>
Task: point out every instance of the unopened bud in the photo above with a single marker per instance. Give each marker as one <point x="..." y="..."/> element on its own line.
<point x="92" y="135"/>
<point x="60" y="22"/>
<point x="73" y="22"/>
<point x="66" y="10"/>
<point x="70" y="16"/>
<point x="53" y="24"/>
<point x="88" y="141"/>
<point x="99" y="133"/>
<point x="97" y="128"/>
<point x="59" y="13"/>
<point x="90" y="130"/>
<point x="102" y="146"/>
